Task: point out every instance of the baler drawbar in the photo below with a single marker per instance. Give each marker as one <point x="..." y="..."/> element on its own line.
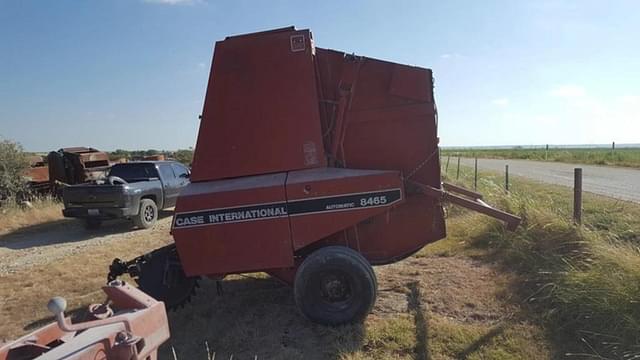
<point x="311" y="165"/>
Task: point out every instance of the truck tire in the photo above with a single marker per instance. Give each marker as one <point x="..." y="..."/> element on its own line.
<point x="148" y="214"/>
<point x="92" y="223"/>
<point x="335" y="285"/>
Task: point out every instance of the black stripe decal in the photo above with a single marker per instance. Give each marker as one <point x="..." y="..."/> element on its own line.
<point x="282" y="209"/>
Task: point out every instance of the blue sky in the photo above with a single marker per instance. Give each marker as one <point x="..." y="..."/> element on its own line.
<point x="132" y="73"/>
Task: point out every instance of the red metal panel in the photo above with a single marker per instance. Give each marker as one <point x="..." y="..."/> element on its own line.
<point x="412" y="83"/>
<point x="261" y="110"/>
<point x="232" y="244"/>
<point x="390" y="124"/>
<point x="414" y="224"/>
<point x="341" y="192"/>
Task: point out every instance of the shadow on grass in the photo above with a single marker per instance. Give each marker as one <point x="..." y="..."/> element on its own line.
<point x="529" y="287"/>
<point x="65" y="231"/>
<point x="483" y="340"/>
<point x="415" y="306"/>
<point x="76" y="315"/>
<point x="253" y="317"/>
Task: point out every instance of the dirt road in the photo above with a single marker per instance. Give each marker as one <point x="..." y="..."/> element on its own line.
<point x="47" y="243"/>
<point x="616" y="182"/>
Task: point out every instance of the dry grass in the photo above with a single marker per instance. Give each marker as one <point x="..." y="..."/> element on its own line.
<point x="78" y="277"/>
<point x="582" y="283"/>
<point x="43" y="210"/>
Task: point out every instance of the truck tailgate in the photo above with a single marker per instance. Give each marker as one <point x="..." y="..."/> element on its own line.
<point x="94" y="196"/>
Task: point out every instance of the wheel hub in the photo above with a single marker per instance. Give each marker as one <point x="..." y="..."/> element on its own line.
<point x="335" y="289"/>
<point x="148" y="213"/>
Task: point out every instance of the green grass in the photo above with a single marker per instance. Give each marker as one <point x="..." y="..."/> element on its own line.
<point x="628" y="157"/>
<point x="581" y="283"/>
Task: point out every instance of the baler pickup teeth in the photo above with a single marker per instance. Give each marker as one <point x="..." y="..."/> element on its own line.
<point x="470" y="200"/>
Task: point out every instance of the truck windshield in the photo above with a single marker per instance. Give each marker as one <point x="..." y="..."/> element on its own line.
<point x="134" y="172"/>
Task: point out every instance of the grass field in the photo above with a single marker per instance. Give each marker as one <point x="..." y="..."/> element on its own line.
<point x="628" y="157"/>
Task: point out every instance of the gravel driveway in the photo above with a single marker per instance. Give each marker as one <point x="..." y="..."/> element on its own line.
<point x="615" y="182"/>
<point x="47" y="243"/>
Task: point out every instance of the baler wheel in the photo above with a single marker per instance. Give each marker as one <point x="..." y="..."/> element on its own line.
<point x="161" y="276"/>
<point x="335" y="285"/>
<point x="366" y="263"/>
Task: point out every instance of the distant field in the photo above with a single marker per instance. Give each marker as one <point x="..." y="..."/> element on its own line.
<point x="629" y="157"/>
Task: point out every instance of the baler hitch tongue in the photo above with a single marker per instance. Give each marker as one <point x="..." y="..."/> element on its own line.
<point x="469" y="199"/>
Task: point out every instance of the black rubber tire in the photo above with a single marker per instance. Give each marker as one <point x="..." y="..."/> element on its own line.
<point x="147" y="215"/>
<point x="367" y="264"/>
<point x="92" y="223"/>
<point x="151" y="279"/>
<point x="335" y="285"/>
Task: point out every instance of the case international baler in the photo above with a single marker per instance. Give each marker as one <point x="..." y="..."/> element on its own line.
<point x="311" y="165"/>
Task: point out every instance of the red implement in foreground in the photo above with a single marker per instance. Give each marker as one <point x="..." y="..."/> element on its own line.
<point x="134" y="331"/>
<point x="311" y="165"/>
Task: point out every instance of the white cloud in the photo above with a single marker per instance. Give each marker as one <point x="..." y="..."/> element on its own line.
<point x="568" y="91"/>
<point x="173" y="2"/>
<point x="451" y="56"/>
<point x="630" y="99"/>
<point x="502" y="102"/>
<point x="201" y="65"/>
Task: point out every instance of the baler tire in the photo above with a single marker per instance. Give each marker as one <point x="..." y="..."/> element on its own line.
<point x="147" y="215"/>
<point x="335" y="285"/>
<point x="367" y="264"/>
<point x="92" y="223"/>
<point x="151" y="279"/>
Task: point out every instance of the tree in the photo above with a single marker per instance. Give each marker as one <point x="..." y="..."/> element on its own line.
<point x="13" y="163"/>
<point x="184" y="156"/>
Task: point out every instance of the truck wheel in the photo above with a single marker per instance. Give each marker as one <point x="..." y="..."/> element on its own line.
<point x="92" y="223"/>
<point x="147" y="215"/>
<point x="335" y="285"/>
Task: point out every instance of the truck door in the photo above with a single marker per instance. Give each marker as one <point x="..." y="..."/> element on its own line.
<point x="169" y="185"/>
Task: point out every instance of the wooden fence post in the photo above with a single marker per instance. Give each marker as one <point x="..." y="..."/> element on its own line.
<point x="577" y="195"/>
<point x="546" y="152"/>
<point x="446" y="168"/>
<point x="475" y="175"/>
<point x="458" y="171"/>
<point x="506" y="177"/>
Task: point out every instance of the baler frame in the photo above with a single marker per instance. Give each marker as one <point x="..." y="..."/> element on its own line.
<point x="307" y="156"/>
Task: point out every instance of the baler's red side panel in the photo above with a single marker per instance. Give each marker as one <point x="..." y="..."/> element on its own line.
<point x="391" y="121"/>
<point x="390" y="124"/>
<point x="236" y="225"/>
<point x="344" y="197"/>
<point x="261" y="111"/>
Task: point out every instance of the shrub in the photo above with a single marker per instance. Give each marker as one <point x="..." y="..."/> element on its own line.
<point x="13" y="163"/>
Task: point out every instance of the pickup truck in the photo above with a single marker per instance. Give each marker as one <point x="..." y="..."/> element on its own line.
<point x="135" y="190"/>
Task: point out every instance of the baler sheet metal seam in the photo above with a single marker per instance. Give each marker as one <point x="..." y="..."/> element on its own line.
<point x="287" y="201"/>
<point x="349" y="194"/>
<point x="232" y="207"/>
<point x="231" y="222"/>
<point x="282" y="204"/>
<point x="349" y="209"/>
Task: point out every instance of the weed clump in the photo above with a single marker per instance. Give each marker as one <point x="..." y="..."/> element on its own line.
<point x="582" y="281"/>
